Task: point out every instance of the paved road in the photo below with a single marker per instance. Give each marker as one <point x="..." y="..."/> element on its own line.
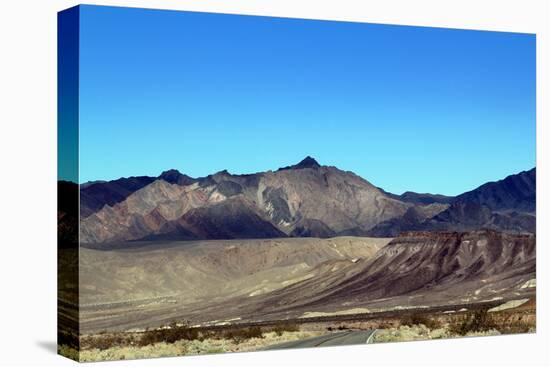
<point x="350" y="337"/>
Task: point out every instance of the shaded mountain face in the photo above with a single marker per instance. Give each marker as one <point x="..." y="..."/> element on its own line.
<point x="413" y="219"/>
<point x="301" y="200"/>
<point x="421" y="199"/>
<point x="506" y="205"/>
<point x="94" y="196"/>
<point x="425" y="199"/>
<point x="464" y="216"/>
<point x="515" y="192"/>
<point x="235" y="217"/>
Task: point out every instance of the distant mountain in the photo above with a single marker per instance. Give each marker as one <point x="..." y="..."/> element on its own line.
<point x="515" y="192"/>
<point x="508" y="205"/>
<point x="466" y="216"/>
<point x="425" y="199"/>
<point x="421" y="199"/>
<point x="95" y="196"/>
<point x="413" y="219"/>
<point x="302" y="200"/>
<point x="305" y="199"/>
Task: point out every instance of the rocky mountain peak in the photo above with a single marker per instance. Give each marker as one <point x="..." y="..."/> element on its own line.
<point x="307" y="162"/>
<point x="170" y="172"/>
<point x="174" y="176"/>
<point x="223" y="173"/>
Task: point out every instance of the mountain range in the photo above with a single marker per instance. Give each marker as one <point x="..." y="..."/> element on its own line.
<point x="302" y="200"/>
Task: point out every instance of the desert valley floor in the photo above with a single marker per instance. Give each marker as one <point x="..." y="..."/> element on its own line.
<point x="149" y="284"/>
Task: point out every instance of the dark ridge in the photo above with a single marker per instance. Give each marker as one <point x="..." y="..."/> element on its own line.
<point x="90" y="183"/>
<point x="515" y="192"/>
<point x="307" y="162"/>
<point x="420" y="198"/>
<point x="174" y="176"/>
<point x="425" y="198"/>
<point x="95" y="196"/>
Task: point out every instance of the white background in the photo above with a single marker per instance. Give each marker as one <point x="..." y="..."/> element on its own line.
<point x="28" y="180"/>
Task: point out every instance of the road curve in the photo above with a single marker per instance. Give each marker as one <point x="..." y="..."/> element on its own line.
<point x="350" y="337"/>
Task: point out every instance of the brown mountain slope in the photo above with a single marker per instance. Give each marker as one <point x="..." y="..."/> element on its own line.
<point x="305" y="199"/>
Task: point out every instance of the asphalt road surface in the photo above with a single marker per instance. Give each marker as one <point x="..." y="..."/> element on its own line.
<point x="351" y="337"/>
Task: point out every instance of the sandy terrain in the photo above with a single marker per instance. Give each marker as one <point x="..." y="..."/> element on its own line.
<point x="246" y="281"/>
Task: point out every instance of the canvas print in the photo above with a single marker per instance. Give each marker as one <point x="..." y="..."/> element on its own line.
<point x="232" y="183"/>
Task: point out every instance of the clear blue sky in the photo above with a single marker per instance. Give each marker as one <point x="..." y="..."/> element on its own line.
<point x="407" y="108"/>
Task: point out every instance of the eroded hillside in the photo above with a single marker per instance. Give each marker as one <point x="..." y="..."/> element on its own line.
<point x="253" y="280"/>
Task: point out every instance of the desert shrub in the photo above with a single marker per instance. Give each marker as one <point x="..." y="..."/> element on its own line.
<point x="280" y="329"/>
<point x="240" y="335"/>
<point x="232" y="335"/>
<point x="148" y="338"/>
<point x="170" y="335"/>
<point x="418" y="319"/>
<point x="477" y="321"/>
<point x="385" y="325"/>
<point x="254" y="332"/>
<point x="512" y="323"/>
<point x="104" y="341"/>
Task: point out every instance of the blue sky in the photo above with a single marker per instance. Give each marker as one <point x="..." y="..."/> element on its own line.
<point x="407" y="108"/>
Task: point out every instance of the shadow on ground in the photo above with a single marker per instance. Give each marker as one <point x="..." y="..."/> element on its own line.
<point x="48" y="345"/>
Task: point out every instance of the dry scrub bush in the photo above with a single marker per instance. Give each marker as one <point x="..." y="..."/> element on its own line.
<point x="512" y="323"/>
<point x="417" y="319"/>
<point x="240" y="335"/>
<point x="105" y="341"/>
<point x="477" y="321"/>
<point x="280" y="329"/>
<point x="170" y="335"/>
